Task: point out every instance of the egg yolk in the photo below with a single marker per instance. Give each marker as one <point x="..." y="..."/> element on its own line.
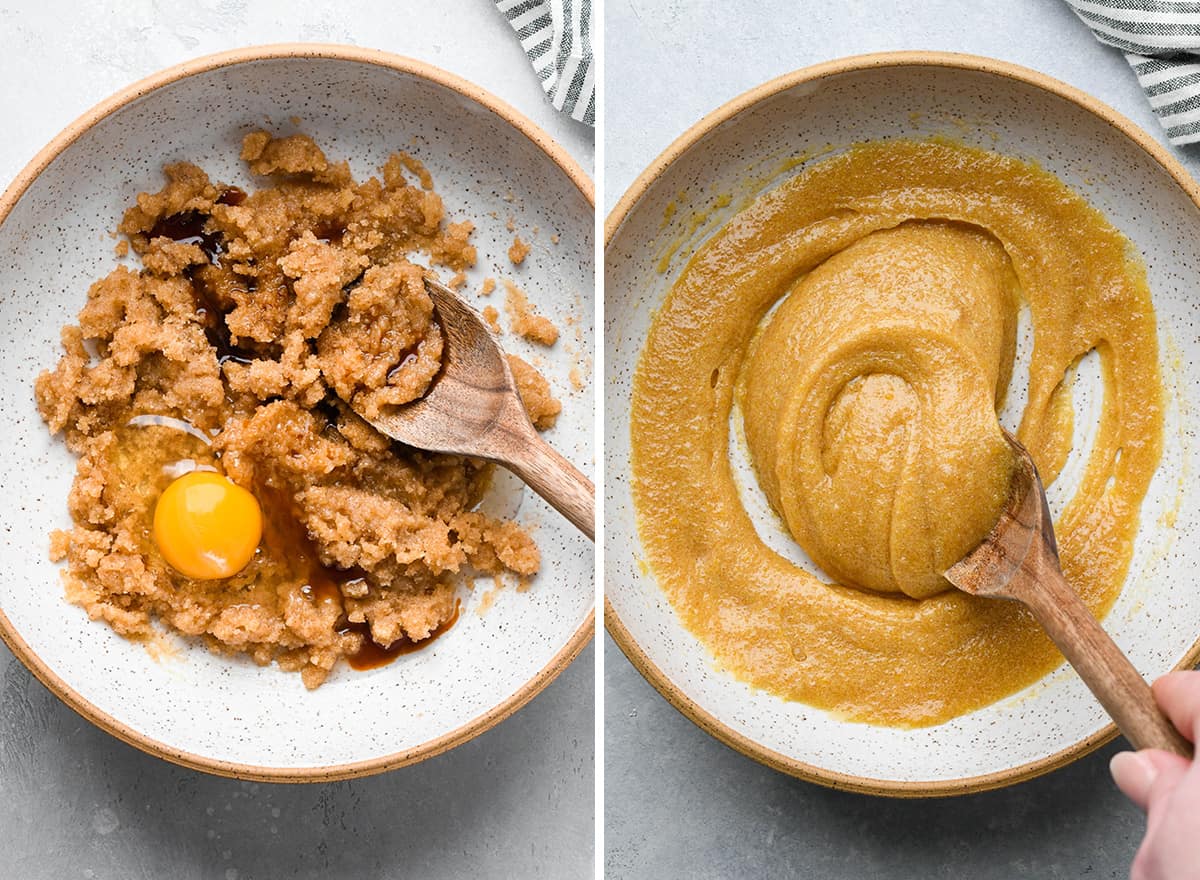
<point x="206" y="526"/>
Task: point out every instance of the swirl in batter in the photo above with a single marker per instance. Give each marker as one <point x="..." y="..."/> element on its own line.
<point x="863" y="315"/>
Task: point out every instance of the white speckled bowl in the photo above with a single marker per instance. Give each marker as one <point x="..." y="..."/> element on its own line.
<point x="763" y="137"/>
<point x="230" y="716"/>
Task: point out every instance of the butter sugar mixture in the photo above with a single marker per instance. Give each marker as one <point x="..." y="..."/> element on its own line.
<point x="862" y="319"/>
<point x="254" y="315"/>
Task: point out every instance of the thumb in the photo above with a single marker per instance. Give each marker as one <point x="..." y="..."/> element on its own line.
<point x="1148" y="774"/>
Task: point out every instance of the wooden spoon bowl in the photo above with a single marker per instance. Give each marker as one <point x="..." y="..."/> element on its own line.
<point x="1018" y="560"/>
<point x="473" y="408"/>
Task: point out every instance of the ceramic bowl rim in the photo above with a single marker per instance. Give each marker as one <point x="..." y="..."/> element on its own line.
<point x="13" y="193"/>
<point x="626" y="204"/>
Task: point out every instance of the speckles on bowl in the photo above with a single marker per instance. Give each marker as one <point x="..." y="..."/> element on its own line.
<point x="230" y="715"/>
<point x="739" y="154"/>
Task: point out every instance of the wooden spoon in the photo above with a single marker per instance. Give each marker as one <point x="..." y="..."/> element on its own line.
<point x="473" y="408"/>
<point x="1019" y="560"/>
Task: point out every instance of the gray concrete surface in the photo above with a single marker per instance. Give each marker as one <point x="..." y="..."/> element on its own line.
<point x="76" y="803"/>
<point x="678" y="803"/>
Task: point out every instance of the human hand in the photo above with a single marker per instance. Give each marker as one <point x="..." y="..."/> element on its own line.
<point x="1167" y="787"/>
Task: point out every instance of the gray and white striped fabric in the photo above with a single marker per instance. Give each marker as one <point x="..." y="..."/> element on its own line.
<point x="1161" y="42"/>
<point x="556" y="35"/>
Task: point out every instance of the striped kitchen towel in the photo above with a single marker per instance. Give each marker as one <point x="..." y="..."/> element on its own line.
<point x="1161" y="42"/>
<point x="557" y="37"/>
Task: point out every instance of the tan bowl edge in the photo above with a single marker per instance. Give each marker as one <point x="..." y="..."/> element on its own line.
<point x="612" y="621"/>
<point x="14" y="192"/>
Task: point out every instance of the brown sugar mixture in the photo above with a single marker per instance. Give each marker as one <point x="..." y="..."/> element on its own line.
<point x="524" y="320"/>
<point x="519" y="251"/>
<point x="256" y="315"/>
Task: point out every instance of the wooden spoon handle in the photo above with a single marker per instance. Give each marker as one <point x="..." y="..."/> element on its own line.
<point x="1101" y="665"/>
<point x="557" y="480"/>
